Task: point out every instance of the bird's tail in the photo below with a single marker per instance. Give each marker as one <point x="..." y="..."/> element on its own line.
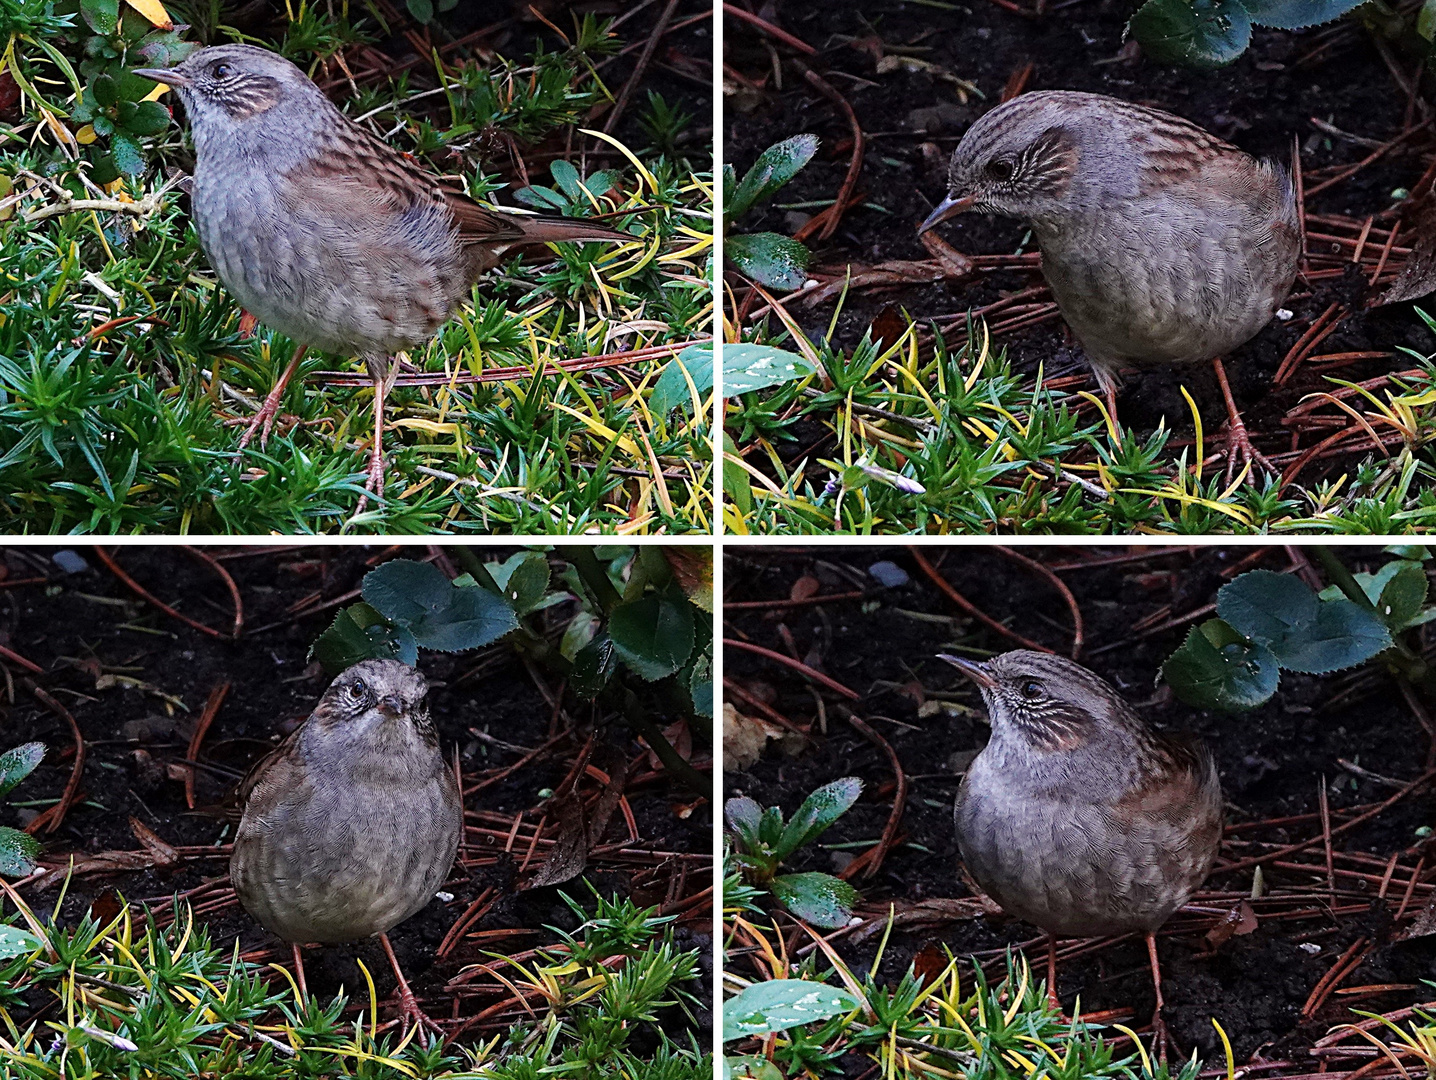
<point x="544" y="230"/>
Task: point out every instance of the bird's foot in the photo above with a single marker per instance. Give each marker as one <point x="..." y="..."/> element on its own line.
<point x="411" y="1015"/>
<point x="375" y="482"/>
<point x="1241" y="454"/>
<point x="262" y="421"/>
<point x="1159" y="1037"/>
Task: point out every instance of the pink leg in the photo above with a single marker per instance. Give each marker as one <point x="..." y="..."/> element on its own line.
<point x="408" y="1004"/>
<point x="375" y="483"/>
<point x="1107" y="383"/>
<point x="1052" y="973"/>
<point x="1239" y="447"/>
<point x="299" y="969"/>
<point x="1159" y="1026"/>
<point x="270" y="409"/>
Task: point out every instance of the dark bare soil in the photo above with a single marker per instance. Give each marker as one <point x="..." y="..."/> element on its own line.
<point x="136" y="680"/>
<point x="1260" y="102"/>
<point x="1272" y="761"/>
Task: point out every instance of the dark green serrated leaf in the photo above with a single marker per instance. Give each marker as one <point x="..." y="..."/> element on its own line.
<point x="357" y="633"/>
<point x="1266" y="606"/>
<point x="700" y="685"/>
<point x="779" y="262"/>
<point x="105" y="91"/>
<point x="418" y="597"/>
<point x="1217" y="668"/>
<point x="422" y="10"/>
<point x="819" y="810"/>
<point x="1295" y="14"/>
<point x="19" y="763"/>
<point x="527" y="584"/>
<point x="17" y="852"/>
<point x="780" y="1004"/>
<point x="16" y="942"/>
<point x="104" y="170"/>
<point x="129" y="158"/>
<point x="1342" y="636"/>
<point x="1402" y="594"/>
<point x="1305" y="633"/>
<point x="1197" y="33"/>
<point x="101" y="16"/>
<point x="150" y="118"/>
<point x="652" y="635"/>
<point x="593" y="667"/>
<point x="820" y="899"/>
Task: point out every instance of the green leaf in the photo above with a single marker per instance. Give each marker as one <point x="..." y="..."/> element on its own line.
<point x="779" y="262"/>
<point x="820" y="899"/>
<point x="1295" y="14"/>
<point x="566" y="177"/>
<point x="357" y="633"/>
<point x="737" y="484"/>
<point x="19" y="763"/>
<point x="653" y="635"/>
<point x="1197" y="33"/>
<point x="748" y="1067"/>
<point x="129" y="158"/>
<point x="17" y="852"/>
<point x="16" y="942"/>
<point x="671" y="389"/>
<point x="102" y="16"/>
<point x="104" y="170"/>
<point x="819" y="810"/>
<point x="1426" y="20"/>
<point x="1305" y="634"/>
<point x="105" y="91"/>
<point x="780" y="1004"/>
<point x="593" y="667"/>
<point x="580" y="631"/>
<point x="757" y="367"/>
<point x="775" y="167"/>
<point x="1217" y="668"/>
<point x="744" y="817"/>
<point x="150" y="118"/>
<point x="523" y="578"/>
<point x="1414" y="552"/>
<point x="422" y="10"/>
<point x="700" y="685"/>
<point x="441" y="616"/>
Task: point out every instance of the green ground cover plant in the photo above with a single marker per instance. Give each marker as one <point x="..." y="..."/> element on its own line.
<point x="574" y="395"/>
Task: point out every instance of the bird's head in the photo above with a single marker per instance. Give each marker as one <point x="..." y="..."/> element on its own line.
<point x="226" y="85"/>
<point x="1018" y="161"/>
<point x="374" y="693"/>
<point x="1046" y="701"/>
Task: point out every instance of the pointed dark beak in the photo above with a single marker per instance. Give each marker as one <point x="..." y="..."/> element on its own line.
<point x="391" y="707"/>
<point x="978" y="673"/>
<point x="949" y="207"/>
<point x="168" y="76"/>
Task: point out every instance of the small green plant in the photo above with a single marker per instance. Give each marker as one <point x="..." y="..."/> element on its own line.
<point x="762" y="841"/>
<point x="166" y="1003"/>
<point x="777" y="1005"/>
<point x="641" y="613"/>
<point x="1211" y="33"/>
<point x="777" y="261"/>
<point x="1268" y="622"/>
<point x="18" y="849"/>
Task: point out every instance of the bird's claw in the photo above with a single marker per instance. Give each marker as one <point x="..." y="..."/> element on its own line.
<point x="1241" y="454"/>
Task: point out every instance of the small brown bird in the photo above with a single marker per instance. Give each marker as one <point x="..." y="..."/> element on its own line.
<point x="351" y="824"/>
<point x="323" y="232"/>
<point x="1077" y="816"/>
<point x="1162" y="244"/>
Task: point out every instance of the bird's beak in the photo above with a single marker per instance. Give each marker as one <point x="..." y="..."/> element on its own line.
<point x="168" y="76"/>
<point x="391" y="707"/>
<point x="949" y="207"/>
<point x="978" y="673"/>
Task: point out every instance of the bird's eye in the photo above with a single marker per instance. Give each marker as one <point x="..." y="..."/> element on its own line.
<point x="221" y="71"/>
<point x="999" y="169"/>
<point x="354" y="691"/>
<point x="1031" y="690"/>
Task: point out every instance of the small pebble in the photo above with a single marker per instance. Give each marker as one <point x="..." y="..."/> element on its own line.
<point x="70" y="561"/>
<point x="1283" y="314"/>
<point x="889" y="574"/>
<point x="1310" y="948"/>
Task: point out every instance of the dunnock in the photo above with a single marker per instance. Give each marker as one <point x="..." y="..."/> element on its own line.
<point x="1162" y="243"/>
<point x="323" y="232"/>
<point x="351" y="824"/>
<point x="1077" y="816"/>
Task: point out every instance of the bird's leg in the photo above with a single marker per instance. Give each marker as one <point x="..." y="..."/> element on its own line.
<point x="1159" y="1026"/>
<point x="1052" y="999"/>
<point x="1107" y="383"/>
<point x="270" y="409"/>
<point x="299" y="968"/>
<point x="1239" y="446"/>
<point x="383" y="372"/>
<point x="408" y="1004"/>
